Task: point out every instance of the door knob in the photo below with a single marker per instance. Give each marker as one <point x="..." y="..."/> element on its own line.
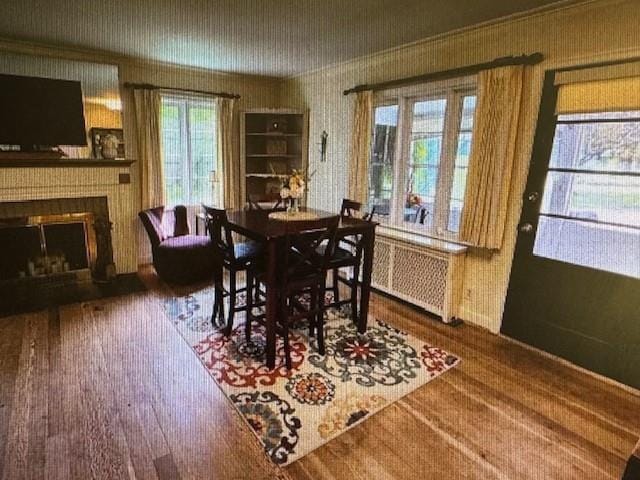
<point x="533" y="196"/>
<point x="525" y="228"/>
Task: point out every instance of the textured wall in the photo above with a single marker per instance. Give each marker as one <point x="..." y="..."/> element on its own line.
<point x="595" y="31"/>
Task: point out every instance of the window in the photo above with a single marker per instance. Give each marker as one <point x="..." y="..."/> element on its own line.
<point x="189" y="150"/>
<point x="590" y="213"/>
<point x="382" y="155"/>
<point x="419" y="160"/>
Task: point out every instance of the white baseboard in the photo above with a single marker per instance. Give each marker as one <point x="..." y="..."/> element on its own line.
<point x="479" y="319"/>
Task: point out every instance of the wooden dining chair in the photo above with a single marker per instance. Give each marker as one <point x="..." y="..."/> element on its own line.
<point x="254" y="204"/>
<point x="348" y="254"/>
<point x="233" y="257"/>
<point x="302" y="271"/>
<point x="350" y="208"/>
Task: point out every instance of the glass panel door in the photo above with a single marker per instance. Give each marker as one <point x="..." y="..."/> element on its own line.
<point x="590" y="213"/>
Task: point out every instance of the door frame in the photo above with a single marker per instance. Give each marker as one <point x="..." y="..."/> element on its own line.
<point x="536" y="181"/>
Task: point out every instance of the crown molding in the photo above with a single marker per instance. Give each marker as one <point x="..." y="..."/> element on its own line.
<point x="72" y="52"/>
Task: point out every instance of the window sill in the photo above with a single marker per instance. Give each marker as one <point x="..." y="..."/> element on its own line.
<point x="421" y="240"/>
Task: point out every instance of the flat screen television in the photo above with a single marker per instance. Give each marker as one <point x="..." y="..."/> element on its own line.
<point x="36" y="113"/>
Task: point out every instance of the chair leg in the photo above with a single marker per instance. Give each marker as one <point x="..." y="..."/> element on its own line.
<point x="283" y="311"/>
<point x="216" y="306"/>
<point x="319" y="322"/>
<point x="287" y="348"/>
<point x="336" y="288"/>
<point x="354" y="294"/>
<point x="249" y="293"/>
<point x="313" y="305"/>
<point x="218" y="302"/>
<point x="232" y="303"/>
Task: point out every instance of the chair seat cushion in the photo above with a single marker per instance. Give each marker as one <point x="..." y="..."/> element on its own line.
<point x="340" y="254"/>
<point x="186" y="242"/>
<point x="185" y="259"/>
<point x="246" y="251"/>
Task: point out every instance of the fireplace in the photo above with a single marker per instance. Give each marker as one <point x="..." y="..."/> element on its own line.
<point x="64" y="238"/>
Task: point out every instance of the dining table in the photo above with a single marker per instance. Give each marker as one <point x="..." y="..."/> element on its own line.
<point x="258" y="226"/>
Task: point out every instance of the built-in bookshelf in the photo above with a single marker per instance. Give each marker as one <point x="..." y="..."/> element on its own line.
<point x="274" y="142"/>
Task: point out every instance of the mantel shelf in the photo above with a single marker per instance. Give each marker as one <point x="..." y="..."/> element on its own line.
<point x="63" y="163"/>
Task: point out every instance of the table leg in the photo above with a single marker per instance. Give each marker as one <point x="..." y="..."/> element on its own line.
<point x="365" y="288"/>
<point x="271" y="303"/>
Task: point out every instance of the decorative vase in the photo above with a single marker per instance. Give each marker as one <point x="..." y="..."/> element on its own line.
<point x="109" y="146"/>
<point x="293" y="206"/>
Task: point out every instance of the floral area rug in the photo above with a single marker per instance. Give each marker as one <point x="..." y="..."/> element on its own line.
<point x="294" y="412"/>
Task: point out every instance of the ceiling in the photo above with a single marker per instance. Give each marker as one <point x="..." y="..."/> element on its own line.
<point x="265" y="37"/>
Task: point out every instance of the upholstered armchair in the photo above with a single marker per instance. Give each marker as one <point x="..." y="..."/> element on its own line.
<point x="178" y="256"/>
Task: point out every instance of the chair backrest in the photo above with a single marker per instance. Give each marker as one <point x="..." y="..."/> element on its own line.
<point x="161" y="224"/>
<point x="181" y="222"/>
<point x="152" y="222"/>
<point x="254" y="204"/>
<point x="369" y="216"/>
<point x="279" y="205"/>
<point x="421" y="214"/>
<point x="350" y="208"/>
<point x="221" y="236"/>
<point x="300" y="254"/>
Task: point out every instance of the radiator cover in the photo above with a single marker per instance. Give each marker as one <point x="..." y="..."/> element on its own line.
<point x="427" y="277"/>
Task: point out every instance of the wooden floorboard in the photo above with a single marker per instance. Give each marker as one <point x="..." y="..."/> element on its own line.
<point x="109" y="390"/>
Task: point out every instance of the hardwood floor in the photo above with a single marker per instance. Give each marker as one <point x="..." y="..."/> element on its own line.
<point x="109" y="389"/>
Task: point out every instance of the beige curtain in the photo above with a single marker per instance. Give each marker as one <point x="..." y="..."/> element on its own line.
<point x="361" y="147"/>
<point x="228" y="160"/>
<point x="492" y="154"/>
<point x="147" y="113"/>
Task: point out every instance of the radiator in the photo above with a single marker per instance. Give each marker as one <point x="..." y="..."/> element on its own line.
<point x="428" y="275"/>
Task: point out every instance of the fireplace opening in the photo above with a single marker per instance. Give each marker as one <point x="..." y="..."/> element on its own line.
<point x="18" y="245"/>
<point x="43" y="246"/>
<point x="65" y="247"/>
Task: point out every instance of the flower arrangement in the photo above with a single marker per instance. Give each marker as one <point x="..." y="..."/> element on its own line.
<point x="412" y="200"/>
<point x="293" y="187"/>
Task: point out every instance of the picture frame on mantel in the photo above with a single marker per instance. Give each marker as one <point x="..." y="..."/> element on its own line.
<point x="97" y="135"/>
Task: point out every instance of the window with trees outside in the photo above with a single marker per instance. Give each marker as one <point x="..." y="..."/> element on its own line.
<point x="590" y="212"/>
<point x="419" y="160"/>
<point x="188" y="150"/>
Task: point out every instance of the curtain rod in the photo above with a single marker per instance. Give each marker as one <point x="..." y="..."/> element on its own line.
<point x="148" y="86"/>
<point x="604" y="63"/>
<point x="532" y="59"/>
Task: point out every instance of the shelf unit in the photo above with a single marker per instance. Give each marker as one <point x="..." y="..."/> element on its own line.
<point x="274" y="142"/>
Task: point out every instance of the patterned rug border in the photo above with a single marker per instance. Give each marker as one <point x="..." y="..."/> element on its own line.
<point x="244" y="419"/>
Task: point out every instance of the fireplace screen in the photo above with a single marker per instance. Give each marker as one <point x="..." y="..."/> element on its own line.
<point x="35" y="247"/>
